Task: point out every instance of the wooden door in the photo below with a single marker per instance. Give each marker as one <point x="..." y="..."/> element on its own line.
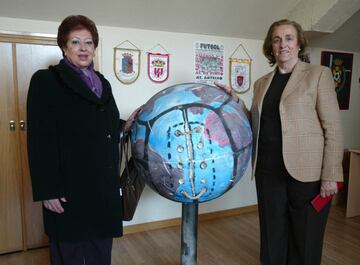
<point x="10" y="172"/>
<point x="29" y="59"/>
<point x="21" y="224"/>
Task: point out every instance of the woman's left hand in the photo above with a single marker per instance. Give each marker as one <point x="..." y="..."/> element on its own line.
<point x="328" y="188"/>
<point x="131" y="119"/>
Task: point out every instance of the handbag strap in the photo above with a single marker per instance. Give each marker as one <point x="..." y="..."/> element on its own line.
<point x="124" y="147"/>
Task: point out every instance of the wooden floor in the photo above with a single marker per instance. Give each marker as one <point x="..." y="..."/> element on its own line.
<point x="225" y="241"/>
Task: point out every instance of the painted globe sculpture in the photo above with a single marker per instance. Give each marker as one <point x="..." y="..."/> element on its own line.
<point x="191" y="142"/>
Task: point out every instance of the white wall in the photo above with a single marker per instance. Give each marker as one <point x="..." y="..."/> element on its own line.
<point x="351" y="117"/>
<point x="152" y="206"/>
<point x="180" y="46"/>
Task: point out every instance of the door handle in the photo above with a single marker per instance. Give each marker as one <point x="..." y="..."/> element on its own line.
<point x="22" y="125"/>
<point x="12" y="125"/>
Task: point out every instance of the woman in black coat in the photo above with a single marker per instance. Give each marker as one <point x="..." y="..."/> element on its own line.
<point x="73" y="137"/>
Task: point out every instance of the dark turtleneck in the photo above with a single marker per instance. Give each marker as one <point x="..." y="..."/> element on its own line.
<point x="270" y="136"/>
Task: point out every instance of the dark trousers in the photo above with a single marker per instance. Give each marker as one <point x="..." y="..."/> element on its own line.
<point x="91" y="252"/>
<point x="291" y="230"/>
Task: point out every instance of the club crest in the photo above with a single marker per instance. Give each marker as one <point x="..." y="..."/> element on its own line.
<point x="158" y="67"/>
<point x="126" y="64"/>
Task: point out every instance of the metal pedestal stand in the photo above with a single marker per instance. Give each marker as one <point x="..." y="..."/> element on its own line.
<point x="189" y="224"/>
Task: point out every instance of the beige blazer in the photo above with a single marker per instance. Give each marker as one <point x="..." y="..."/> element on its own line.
<point x="310" y="122"/>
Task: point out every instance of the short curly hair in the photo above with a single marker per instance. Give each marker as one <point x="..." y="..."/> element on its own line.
<point x="75" y="22"/>
<point x="267" y="46"/>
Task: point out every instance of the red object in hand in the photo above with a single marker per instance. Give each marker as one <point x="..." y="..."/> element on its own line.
<point x="319" y="202"/>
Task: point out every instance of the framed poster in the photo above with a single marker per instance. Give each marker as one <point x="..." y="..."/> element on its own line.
<point x="341" y="67"/>
<point x="209" y="62"/>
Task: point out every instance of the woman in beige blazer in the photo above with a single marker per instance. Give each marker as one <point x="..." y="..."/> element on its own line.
<point x="297" y="148"/>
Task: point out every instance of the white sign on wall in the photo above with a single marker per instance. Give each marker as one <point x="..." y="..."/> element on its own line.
<point x="208" y="62"/>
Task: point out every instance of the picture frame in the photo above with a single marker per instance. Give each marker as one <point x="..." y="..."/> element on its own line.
<point x="341" y="64"/>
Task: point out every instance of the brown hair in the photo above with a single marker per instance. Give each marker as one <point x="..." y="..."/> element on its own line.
<point x="267" y="46"/>
<point x="72" y="23"/>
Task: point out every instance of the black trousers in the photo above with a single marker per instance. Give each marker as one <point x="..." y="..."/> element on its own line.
<point x="291" y="230"/>
<point x="91" y="252"/>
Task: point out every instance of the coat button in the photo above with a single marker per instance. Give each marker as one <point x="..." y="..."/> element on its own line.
<point x="108" y="136"/>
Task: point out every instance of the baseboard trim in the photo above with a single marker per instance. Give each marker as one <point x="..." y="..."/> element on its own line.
<point x="130" y="229"/>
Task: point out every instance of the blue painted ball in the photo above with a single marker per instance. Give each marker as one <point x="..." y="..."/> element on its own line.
<point x="191" y="142"/>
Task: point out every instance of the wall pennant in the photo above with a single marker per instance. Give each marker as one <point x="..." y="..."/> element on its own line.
<point x="127" y="63"/>
<point x="158" y="65"/>
<point x="240" y="72"/>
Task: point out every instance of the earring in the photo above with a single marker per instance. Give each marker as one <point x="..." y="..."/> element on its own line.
<point x="299" y="49"/>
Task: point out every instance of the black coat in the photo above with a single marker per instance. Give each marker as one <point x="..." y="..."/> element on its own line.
<point x="73" y="139"/>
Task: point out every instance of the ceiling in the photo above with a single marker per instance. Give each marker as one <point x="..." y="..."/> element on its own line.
<point x="232" y="18"/>
<point x="345" y="38"/>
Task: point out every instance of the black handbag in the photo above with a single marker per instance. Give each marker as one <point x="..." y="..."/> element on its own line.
<point x="132" y="184"/>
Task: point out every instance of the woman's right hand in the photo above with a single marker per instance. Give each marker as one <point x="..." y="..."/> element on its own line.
<point x="54" y="205"/>
<point x="235" y="97"/>
<point x="227" y="89"/>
